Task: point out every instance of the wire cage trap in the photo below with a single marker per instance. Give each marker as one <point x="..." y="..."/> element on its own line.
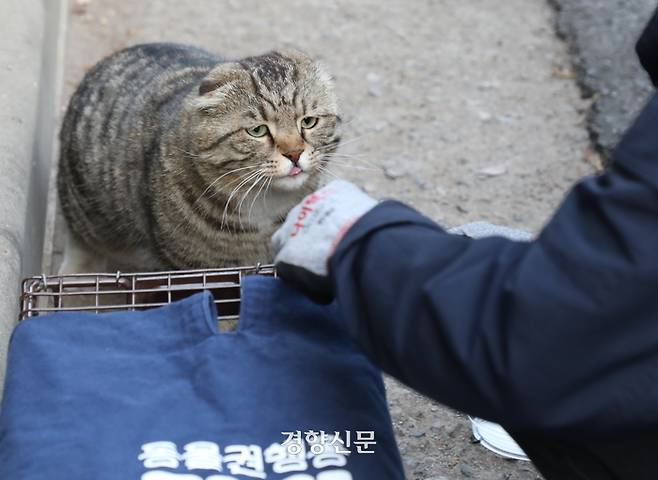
<point x="107" y="292"/>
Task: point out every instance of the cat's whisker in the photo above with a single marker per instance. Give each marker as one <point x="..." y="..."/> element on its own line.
<point x="251" y="207"/>
<point x="204" y="156"/>
<point x="195" y="203"/>
<point x="329" y="172"/>
<point x="350" y="121"/>
<point x="170" y="171"/>
<point x="244" y="182"/>
<point x="324" y="148"/>
<point x="346" y="159"/>
<point x="214" y="182"/>
<point x="335" y="172"/>
<point x="351" y="166"/>
<point x="354" y="167"/>
<point x="227" y="185"/>
<point x="246" y="194"/>
<point x="326" y="169"/>
<point x="345" y="167"/>
<point x="189" y="154"/>
<point x="345" y="154"/>
<point x="351" y="160"/>
<point x="327" y="146"/>
<point x="267" y="191"/>
<point x="342" y="143"/>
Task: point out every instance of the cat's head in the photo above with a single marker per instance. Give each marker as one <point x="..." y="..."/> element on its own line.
<point x="272" y="117"/>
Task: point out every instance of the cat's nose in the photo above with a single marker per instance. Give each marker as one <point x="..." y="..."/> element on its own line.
<point x="293" y="155"/>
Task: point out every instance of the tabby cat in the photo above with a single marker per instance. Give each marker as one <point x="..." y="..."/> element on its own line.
<point x="172" y="158"/>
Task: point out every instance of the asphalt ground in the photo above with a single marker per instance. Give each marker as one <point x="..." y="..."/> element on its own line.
<point x="602" y="35"/>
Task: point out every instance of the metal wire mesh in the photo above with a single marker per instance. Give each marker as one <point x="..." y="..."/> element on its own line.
<point x="106" y="292"/>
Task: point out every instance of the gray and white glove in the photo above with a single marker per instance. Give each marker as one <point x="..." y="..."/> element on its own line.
<point x="312" y="230"/>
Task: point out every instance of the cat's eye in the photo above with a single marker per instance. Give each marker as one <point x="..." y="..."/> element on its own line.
<point x="258" y="131"/>
<point x="309" y="122"/>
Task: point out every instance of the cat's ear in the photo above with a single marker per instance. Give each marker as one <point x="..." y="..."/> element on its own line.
<point x="220" y="76"/>
<point x="312" y="67"/>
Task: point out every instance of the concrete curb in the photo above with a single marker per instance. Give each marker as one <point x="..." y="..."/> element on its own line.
<point x="30" y="85"/>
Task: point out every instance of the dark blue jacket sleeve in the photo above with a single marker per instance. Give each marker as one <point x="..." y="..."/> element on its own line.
<point x="559" y="335"/>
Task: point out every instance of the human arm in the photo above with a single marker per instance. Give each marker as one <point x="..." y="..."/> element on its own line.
<point x="557" y="335"/>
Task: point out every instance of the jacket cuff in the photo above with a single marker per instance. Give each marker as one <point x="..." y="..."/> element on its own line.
<point x="385" y="214"/>
<point x="637" y="151"/>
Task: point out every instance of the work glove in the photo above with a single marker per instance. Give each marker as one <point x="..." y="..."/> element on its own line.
<point x="312" y="230"/>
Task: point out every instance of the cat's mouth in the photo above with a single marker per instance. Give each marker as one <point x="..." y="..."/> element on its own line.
<point x="294" y="179"/>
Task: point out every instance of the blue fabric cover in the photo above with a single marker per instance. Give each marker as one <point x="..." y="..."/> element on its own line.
<point x="154" y="394"/>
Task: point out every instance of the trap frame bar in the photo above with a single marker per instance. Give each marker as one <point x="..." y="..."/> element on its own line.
<point x="107" y="292"/>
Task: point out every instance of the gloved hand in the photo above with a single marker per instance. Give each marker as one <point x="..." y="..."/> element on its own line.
<point x="312" y="230"/>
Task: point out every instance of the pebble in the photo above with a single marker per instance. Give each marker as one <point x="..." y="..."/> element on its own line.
<point x="420" y="182"/>
<point x="488" y="85"/>
<point x="375" y="91"/>
<point x="410" y="463"/>
<point x="466" y="470"/>
<point x="415" y="136"/>
<point x="485" y="116"/>
<point x="448" y="138"/>
<point x="505" y="119"/>
<point x="394" y="173"/>
<point x="564" y="73"/>
<point x="528" y="475"/>
<point x="452" y="433"/>
<point x="417" y="433"/>
<point x="80" y="7"/>
<point x="493" y="171"/>
<point x="373" y="77"/>
<point x="436" y="428"/>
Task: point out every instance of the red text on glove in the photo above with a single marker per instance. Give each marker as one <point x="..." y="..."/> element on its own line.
<point x="307" y="208"/>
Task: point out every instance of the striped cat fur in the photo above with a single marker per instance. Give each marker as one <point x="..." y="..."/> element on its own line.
<point x="172" y="158"/>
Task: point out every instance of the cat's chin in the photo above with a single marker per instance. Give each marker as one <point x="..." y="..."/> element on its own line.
<point x="290" y="184"/>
